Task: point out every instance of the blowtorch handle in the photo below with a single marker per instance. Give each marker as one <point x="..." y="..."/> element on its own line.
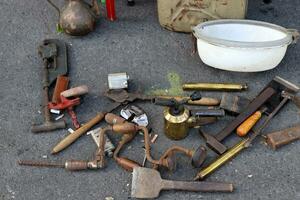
<point x="248" y="124"/>
<point x="76" y="134"/>
<point x="164" y="102"/>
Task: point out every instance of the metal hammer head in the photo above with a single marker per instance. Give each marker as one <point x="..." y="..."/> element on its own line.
<point x="48" y="126"/>
<point x="281" y="84"/>
<point x="213" y="143"/>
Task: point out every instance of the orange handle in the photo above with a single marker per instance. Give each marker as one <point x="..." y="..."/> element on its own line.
<point x="247" y="125"/>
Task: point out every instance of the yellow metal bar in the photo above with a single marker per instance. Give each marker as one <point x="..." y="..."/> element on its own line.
<point x="215" y="86"/>
<point x="222" y="159"/>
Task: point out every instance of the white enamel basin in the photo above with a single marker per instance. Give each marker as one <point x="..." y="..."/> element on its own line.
<point x="242" y="45"/>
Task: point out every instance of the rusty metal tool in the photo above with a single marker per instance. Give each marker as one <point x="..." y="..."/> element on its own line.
<point x="245" y="143"/>
<point x="215" y="86"/>
<point x="128" y="131"/>
<point x="283" y="137"/>
<point x="233" y="104"/>
<point x="61" y="85"/>
<point x="147" y="184"/>
<point x="124" y="97"/>
<point x="54" y="55"/>
<point x="70" y="165"/>
<point x="269" y="95"/>
<point x="69" y="139"/>
<point x="69" y="104"/>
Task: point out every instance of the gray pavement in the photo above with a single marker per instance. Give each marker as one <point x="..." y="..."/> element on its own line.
<point x="138" y="45"/>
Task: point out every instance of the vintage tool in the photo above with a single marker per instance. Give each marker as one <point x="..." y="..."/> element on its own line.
<point x="70" y="165"/>
<point x="109" y="146"/>
<point x="67" y="104"/>
<point x="245" y="143"/>
<point x="117" y="81"/>
<point x="129" y="130"/>
<point x="247" y="125"/>
<point x="77" y="17"/>
<point x="70" y="138"/>
<point x="61" y="85"/>
<point x="283" y="137"/>
<point x="177" y="118"/>
<point x="70" y="103"/>
<point x="147" y="184"/>
<point x="270" y="95"/>
<point x="54" y="55"/>
<point x="124" y="97"/>
<point x="233" y="104"/>
<point x="215" y="86"/>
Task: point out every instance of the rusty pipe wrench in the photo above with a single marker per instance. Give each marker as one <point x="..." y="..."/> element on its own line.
<point x="270" y="95"/>
<point x="54" y="55"/>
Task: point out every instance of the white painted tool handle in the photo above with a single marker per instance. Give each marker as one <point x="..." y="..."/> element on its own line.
<point x="77" y="91"/>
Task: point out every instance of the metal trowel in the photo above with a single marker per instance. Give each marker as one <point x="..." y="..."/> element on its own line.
<point x="147" y="183"/>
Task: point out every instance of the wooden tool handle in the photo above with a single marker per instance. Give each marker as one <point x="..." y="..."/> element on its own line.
<point x="199" y="186"/>
<point x="283" y="137"/>
<point x="77" y="91"/>
<point x="248" y="124"/>
<point x="127" y="164"/>
<point x="76" y="134"/>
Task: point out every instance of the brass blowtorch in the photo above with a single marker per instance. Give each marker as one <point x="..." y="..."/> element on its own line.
<point x="178" y="119"/>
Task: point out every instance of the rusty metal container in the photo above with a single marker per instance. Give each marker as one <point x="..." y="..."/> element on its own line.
<point x="181" y="15"/>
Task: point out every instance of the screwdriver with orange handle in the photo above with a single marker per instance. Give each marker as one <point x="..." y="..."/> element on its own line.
<point x="248" y="124"/>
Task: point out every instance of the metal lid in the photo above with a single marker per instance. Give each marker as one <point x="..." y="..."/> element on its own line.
<point x="198" y="33"/>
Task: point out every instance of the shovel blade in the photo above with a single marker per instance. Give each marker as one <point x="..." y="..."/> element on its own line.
<point x="146" y="183"/>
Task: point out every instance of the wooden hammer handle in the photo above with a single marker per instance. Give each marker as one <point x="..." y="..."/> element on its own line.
<point x="67" y="141"/>
<point x="248" y="124"/>
<point x="283" y="137"/>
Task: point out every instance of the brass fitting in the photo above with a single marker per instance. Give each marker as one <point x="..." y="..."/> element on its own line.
<point x="215" y="86"/>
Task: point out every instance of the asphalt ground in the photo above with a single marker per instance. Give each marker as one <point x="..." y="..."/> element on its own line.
<point x="138" y="45"/>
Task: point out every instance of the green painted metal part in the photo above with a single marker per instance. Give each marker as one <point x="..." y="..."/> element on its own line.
<point x="181" y="15"/>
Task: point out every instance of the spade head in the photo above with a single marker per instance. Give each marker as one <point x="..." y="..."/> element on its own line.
<point x="146" y="183"/>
